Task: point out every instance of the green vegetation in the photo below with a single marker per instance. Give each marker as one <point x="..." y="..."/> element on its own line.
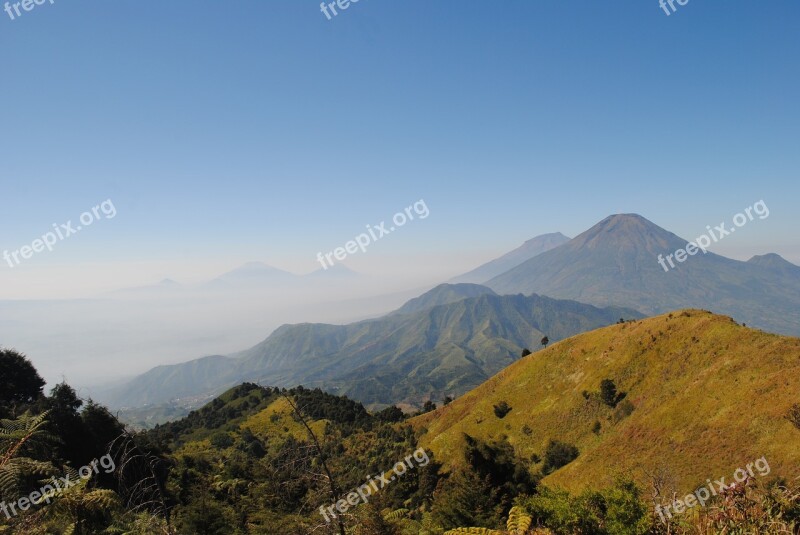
<point x="558" y="454"/>
<point x="264" y="460"/>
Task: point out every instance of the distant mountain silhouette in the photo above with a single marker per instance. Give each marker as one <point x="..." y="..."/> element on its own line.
<point x="529" y="249"/>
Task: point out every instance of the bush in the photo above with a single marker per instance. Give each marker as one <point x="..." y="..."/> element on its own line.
<point x="608" y="392"/>
<point x="557" y="455"/>
<point x="221" y="440"/>
<point x="618" y="510"/>
<point x="622" y="411"/>
<point x="502" y="409"/>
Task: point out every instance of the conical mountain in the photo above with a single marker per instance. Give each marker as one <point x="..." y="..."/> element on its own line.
<point x="616" y="262"/>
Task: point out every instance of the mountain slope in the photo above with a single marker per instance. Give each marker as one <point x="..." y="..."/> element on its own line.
<point x="776" y="263"/>
<point x="616" y="263"/>
<point x="707" y="397"/>
<point x="442" y="295"/>
<point x="529" y="249"/>
<point x="448" y="349"/>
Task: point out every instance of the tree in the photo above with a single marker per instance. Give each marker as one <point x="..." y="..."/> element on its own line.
<point x="545" y="341"/>
<point x="334" y="488"/>
<point x="558" y="454"/>
<point x="466" y="499"/>
<point x="608" y="392"/>
<point x="65" y="421"/>
<point x="19" y="381"/>
<point x="447" y="401"/>
<point x="525" y="352"/>
<point x="390" y="414"/>
<point x="428" y="406"/>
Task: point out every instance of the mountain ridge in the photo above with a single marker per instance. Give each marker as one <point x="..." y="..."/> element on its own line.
<point x="616" y="262"/>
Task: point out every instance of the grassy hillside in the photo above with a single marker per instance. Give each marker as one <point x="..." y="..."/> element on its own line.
<point x="707" y="396"/>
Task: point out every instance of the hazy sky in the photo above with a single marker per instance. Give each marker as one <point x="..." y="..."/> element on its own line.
<point x="232" y="131"/>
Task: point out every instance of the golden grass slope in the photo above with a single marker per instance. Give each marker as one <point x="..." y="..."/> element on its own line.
<point x="709" y="396"/>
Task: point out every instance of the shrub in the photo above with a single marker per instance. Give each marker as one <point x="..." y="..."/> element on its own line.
<point x="623" y="411"/>
<point x="501" y="409"/>
<point x="221" y="440"/>
<point x="618" y="510"/>
<point x="596" y="427"/>
<point x="557" y="455"/>
<point x="608" y="392"/>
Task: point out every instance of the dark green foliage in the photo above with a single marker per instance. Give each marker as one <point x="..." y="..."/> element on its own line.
<point x="466" y="499"/>
<point x="20" y="383"/>
<point x="447" y="401"/>
<point x="320" y="405"/>
<point x="498" y="462"/>
<point x="221" y="440"/>
<point x="428" y="406"/>
<point x="479" y="494"/>
<point x="525" y="352"/>
<point x="204" y="516"/>
<point x="608" y="392"/>
<point x="558" y="454"/>
<point x="596" y="427"/>
<point x="545" y="341"/>
<point x="502" y="409"/>
<point x="390" y="414"/>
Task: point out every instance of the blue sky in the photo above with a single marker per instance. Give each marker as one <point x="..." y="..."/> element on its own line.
<point x="228" y="132"/>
